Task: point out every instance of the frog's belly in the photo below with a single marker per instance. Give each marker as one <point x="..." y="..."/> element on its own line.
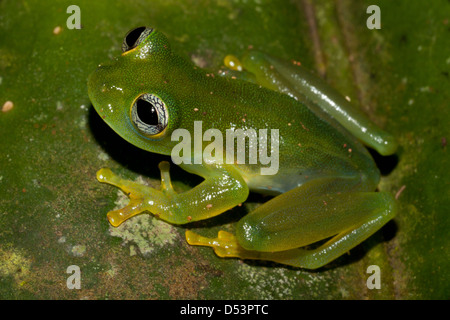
<point x="289" y="178"/>
<point x="274" y="185"/>
<point x="280" y="182"/>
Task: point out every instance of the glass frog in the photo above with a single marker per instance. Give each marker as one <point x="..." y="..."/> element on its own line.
<point x="324" y="189"/>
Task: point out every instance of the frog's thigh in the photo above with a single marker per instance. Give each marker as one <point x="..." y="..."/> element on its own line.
<point x="308" y="214"/>
<point x="283" y="76"/>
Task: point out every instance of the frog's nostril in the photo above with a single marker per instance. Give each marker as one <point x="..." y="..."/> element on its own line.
<point x="105" y="65"/>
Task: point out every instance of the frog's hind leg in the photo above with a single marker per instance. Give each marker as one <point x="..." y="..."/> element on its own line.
<point x="279" y="229"/>
<point x="294" y="80"/>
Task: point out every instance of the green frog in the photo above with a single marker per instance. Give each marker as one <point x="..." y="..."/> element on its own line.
<point x="321" y="178"/>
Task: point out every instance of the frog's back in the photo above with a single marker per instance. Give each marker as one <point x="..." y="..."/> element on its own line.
<point x="310" y="145"/>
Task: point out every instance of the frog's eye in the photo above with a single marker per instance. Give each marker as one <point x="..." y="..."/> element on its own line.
<point x="135" y="37"/>
<point x="149" y="114"/>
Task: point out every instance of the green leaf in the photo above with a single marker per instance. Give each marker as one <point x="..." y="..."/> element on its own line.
<point x="53" y="210"/>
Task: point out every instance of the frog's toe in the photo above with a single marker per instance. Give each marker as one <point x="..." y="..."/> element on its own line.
<point x="104" y="175"/>
<point x="130" y="188"/>
<point x="225" y="245"/>
<point x="166" y="183"/>
<point x="117" y="217"/>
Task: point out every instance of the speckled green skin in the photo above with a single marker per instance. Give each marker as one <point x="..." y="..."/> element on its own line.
<point x="326" y="175"/>
<point x="309" y="146"/>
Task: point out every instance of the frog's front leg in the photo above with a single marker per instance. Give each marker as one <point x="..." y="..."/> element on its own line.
<point x="222" y="189"/>
<point x="336" y="208"/>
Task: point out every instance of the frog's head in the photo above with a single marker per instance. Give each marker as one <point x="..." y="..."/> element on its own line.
<point x="131" y="93"/>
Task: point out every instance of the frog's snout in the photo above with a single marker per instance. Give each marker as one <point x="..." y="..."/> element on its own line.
<point x="105" y="65"/>
<point x="98" y="77"/>
<point x="96" y="86"/>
